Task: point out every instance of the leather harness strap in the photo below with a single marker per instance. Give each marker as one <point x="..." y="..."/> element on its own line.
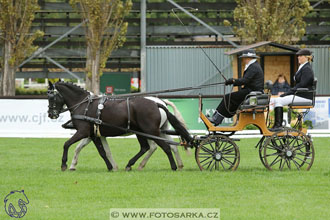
<point x="100" y="122"/>
<point x="100" y="107"/>
<point x="128" y="114"/>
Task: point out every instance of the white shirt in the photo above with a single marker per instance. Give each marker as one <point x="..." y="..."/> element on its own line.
<point x="249" y="63"/>
<point x="300" y="66"/>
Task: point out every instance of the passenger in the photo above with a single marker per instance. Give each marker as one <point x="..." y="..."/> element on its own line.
<point x="303" y="78"/>
<point x="252" y="80"/>
<point x="280" y="86"/>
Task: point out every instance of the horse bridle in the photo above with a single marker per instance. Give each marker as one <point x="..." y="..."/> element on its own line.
<point x="55" y="92"/>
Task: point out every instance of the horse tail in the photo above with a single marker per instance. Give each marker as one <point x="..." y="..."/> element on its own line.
<point x="177" y="125"/>
<point x="176" y="112"/>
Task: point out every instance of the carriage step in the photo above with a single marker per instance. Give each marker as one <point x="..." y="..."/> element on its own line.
<point x="170" y="132"/>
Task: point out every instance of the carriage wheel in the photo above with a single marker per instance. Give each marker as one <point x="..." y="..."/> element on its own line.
<point x="217" y="152"/>
<point x="261" y="149"/>
<point x="293" y="150"/>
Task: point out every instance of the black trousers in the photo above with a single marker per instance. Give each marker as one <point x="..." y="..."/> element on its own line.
<point x="231" y="102"/>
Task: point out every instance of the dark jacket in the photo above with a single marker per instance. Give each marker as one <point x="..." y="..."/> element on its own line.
<point x="280" y="87"/>
<point x="304" y="78"/>
<point x="253" y="78"/>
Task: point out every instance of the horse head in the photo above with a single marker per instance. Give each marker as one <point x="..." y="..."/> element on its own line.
<point x="56" y="102"/>
<point x="64" y="93"/>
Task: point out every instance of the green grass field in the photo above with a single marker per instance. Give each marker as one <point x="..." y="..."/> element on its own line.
<point x="251" y="192"/>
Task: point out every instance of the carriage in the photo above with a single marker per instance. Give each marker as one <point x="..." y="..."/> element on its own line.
<point x="289" y="148"/>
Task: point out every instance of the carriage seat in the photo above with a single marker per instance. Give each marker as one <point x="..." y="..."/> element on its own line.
<point x="255" y="100"/>
<point x="308" y="104"/>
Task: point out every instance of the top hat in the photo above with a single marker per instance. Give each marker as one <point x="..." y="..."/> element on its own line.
<point x="249" y="54"/>
<point x="304" y="52"/>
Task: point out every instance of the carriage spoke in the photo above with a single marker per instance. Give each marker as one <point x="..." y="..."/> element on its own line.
<point x="282" y="164"/>
<point x="275" y="161"/>
<point x="295" y="163"/>
<point x="302" y="160"/>
<point x="209" y="164"/>
<point x="288" y="162"/>
<point x="206" y="150"/>
<point x="228" y="151"/>
<point x="273" y="147"/>
<point x="206" y="159"/>
<point x="222" y="165"/>
<point x="225" y="147"/>
<point x="227" y="161"/>
<point x="213" y="149"/>
<point x="212" y="165"/>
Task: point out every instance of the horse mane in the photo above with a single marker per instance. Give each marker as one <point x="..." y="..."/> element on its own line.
<point x="72" y="85"/>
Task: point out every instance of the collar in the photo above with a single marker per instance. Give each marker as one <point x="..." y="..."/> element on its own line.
<point x="301" y="65"/>
<point x="249" y="63"/>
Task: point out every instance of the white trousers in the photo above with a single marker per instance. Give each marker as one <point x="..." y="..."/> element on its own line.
<point x="286" y="100"/>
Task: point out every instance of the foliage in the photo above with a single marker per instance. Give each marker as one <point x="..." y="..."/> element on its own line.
<point x="251" y="127"/>
<point x="280" y="21"/>
<point x="106" y="29"/>
<point x="30" y="91"/>
<point x="15" y="21"/>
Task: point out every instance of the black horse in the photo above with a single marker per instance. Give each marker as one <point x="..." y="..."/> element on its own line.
<point x="137" y="113"/>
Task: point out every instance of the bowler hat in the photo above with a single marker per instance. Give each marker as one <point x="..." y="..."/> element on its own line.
<point x="249" y="53"/>
<point x="304" y="52"/>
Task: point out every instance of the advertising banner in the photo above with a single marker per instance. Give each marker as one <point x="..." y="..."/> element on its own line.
<point x="320" y="114"/>
<point x="29" y="117"/>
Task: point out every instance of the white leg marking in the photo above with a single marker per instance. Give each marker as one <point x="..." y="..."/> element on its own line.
<point x="108" y="153"/>
<point x="79" y="147"/>
<point x="153" y="148"/>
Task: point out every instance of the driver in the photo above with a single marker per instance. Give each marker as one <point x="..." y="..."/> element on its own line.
<point x="252" y="80"/>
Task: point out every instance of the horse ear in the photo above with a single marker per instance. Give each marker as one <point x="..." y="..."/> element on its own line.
<point x="59" y="80"/>
<point x="50" y="85"/>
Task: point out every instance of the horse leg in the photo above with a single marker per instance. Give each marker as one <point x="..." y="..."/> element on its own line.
<point x="76" y="137"/>
<point x="144" y="148"/>
<point x="108" y="153"/>
<point x="98" y="143"/>
<point x="153" y="148"/>
<point x="166" y="148"/>
<point x="79" y="147"/>
<point x="174" y="148"/>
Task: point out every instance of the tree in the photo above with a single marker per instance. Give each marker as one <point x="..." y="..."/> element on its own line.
<point x="16" y="17"/>
<point x="105" y="31"/>
<point x="280" y="21"/>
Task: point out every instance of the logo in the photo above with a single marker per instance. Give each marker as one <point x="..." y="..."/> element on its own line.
<point x="15" y="204"/>
<point x="109" y="89"/>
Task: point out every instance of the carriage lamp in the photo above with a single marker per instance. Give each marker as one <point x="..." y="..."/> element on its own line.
<point x="253" y="100"/>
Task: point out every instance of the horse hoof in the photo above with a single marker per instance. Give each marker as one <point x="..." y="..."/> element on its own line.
<point x="140" y="168"/>
<point x="128" y="168"/>
<point x="180" y="167"/>
<point x="72" y="169"/>
<point x="64" y="167"/>
<point x="115" y="169"/>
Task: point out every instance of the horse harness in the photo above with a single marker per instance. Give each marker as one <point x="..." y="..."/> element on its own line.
<point x="98" y="122"/>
